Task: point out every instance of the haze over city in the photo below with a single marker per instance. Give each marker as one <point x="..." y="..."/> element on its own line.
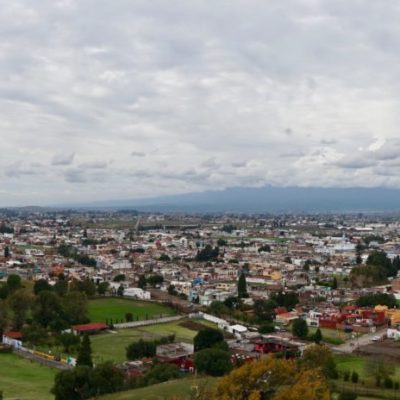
<point x="118" y="100"/>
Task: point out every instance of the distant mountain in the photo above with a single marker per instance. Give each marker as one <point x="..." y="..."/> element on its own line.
<point x="265" y="200"/>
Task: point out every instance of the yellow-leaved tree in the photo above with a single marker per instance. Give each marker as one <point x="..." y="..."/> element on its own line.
<point x="275" y="379"/>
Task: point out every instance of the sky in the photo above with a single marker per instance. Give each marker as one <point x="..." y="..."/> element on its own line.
<point x="123" y="99"/>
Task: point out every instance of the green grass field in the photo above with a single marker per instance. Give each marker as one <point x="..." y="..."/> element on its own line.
<point x="101" y="310"/>
<point x="112" y="346"/>
<point x="352" y="362"/>
<point x="178" y="389"/>
<point x="24" y="380"/>
<point x="331" y="336"/>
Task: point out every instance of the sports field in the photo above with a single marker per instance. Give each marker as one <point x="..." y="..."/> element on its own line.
<point x="114" y="309"/>
<point x="24" y="380"/>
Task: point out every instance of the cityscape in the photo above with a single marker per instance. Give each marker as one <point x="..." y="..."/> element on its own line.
<point x="199" y="200"/>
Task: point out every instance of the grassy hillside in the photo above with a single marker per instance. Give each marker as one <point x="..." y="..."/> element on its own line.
<point x="180" y="388"/>
<point x="23" y="380"/>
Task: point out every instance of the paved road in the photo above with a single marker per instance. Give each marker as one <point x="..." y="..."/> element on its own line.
<point x="363" y="340"/>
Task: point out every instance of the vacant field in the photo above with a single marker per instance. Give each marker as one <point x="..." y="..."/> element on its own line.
<point x="23" y="380"/>
<point x="389" y="349"/>
<point x="115" y="309"/>
<point x="112" y="346"/>
<point x="173" y="389"/>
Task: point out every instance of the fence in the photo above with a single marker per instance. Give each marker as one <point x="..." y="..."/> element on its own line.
<point x="46" y="360"/>
<point x="135" y="324"/>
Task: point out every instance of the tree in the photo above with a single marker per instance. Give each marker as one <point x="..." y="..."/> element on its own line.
<point x="354" y="377"/>
<point x="47" y="308"/>
<point x="61" y="286"/>
<point x="119" y="278"/>
<point x="334" y="283"/>
<point x="206" y="338"/>
<point x="41" y="285"/>
<point x="84" y="382"/>
<point x="3" y="317"/>
<point x="232" y="302"/>
<point x="155" y="280"/>
<point x="264" y="248"/>
<point x="68" y="341"/>
<point x="374" y="299"/>
<point x="142" y="282"/>
<point x="105" y="378"/>
<point x="172" y="291"/>
<point x="129" y="317"/>
<point x="13" y="283"/>
<point x="288" y="300"/>
<point x="222" y="242"/>
<point x="85" y="353"/>
<point x="161" y="373"/>
<point x="321" y="357"/>
<point x="140" y="349"/>
<point x="73" y="384"/>
<point x="214" y="362"/>
<point x="267" y="327"/>
<point x="379" y="369"/>
<point x="317" y="336"/>
<point x="19" y="302"/>
<point x="208" y="254"/>
<point x="75" y="307"/>
<point x="86" y="286"/>
<point x="102" y="288"/>
<point x="300" y="328"/>
<point x="273" y="379"/>
<point x="242" y="286"/>
<point x="264" y="309"/>
<point x="120" y="290"/>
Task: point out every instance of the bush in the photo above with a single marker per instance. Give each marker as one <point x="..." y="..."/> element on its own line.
<point x="266" y="328"/>
<point x="141" y="349"/>
<point x="354" y="377"/>
<point x="346" y="376"/>
<point x="388" y="383"/>
<point x="214" y="362"/>
<point x="206" y="338"/>
<point x="300" y="328"/>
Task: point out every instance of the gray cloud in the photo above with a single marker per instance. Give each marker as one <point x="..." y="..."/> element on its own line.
<point x="306" y="91"/>
<point x="138" y="154"/>
<point x="63" y="159"/>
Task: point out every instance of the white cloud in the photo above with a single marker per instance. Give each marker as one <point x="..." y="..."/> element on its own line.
<point x="195" y="95"/>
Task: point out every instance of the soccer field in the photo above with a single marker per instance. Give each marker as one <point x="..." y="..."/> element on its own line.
<point x="114" y="309"/>
<point x="24" y="380"/>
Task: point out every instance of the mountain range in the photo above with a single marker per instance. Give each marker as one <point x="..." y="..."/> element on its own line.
<point x="266" y="199"/>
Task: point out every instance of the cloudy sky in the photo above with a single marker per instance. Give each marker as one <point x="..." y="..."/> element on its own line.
<point x="123" y="99"/>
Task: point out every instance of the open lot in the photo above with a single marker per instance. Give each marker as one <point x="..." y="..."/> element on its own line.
<point x="112" y="346"/>
<point x="115" y="309"/>
<point x="388" y="349"/>
<point x="23" y="380"/>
